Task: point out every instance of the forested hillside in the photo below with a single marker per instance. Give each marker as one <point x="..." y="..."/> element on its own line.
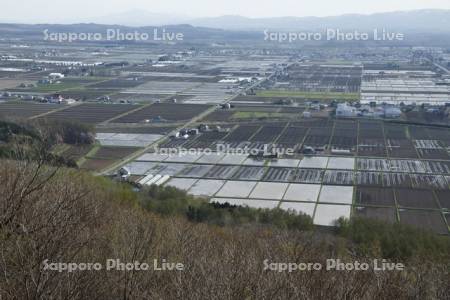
<point x="63" y="215"/>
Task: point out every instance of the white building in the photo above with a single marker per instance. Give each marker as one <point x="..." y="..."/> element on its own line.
<point x="344" y="110"/>
<point x="55" y="76"/>
<point x="392" y="112"/>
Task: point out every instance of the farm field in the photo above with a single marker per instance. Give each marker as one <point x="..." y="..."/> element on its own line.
<point x="371" y="139"/>
<point x="327" y="167"/>
<point x="6" y="84"/>
<point x="91" y="113"/>
<point x="101" y="157"/>
<point x="76" y="152"/>
<point x="26" y="110"/>
<point x="86" y="93"/>
<point x="332" y="78"/>
<point x="163" y="130"/>
<point x="127" y="139"/>
<point x="310" y="95"/>
<point x="114" y="152"/>
<point x="162" y="112"/>
<point x="386" y="189"/>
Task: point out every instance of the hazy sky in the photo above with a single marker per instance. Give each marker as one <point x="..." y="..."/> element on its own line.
<point x="51" y="10"/>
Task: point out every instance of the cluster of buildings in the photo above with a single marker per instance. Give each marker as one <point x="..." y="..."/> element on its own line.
<point x="345" y="110"/>
<point x="54" y="98"/>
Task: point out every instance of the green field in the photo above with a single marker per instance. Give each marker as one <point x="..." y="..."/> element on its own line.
<point x="310" y="95"/>
<point x="65" y="84"/>
<point x="248" y="115"/>
<point x="55" y="87"/>
<point x="87" y="79"/>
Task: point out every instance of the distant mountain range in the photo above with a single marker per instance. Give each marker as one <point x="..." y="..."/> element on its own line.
<point x="421" y="20"/>
<point x="425" y="20"/>
<point x="437" y="20"/>
<point x="138" y="18"/>
<point x="421" y="28"/>
<point x="191" y="34"/>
